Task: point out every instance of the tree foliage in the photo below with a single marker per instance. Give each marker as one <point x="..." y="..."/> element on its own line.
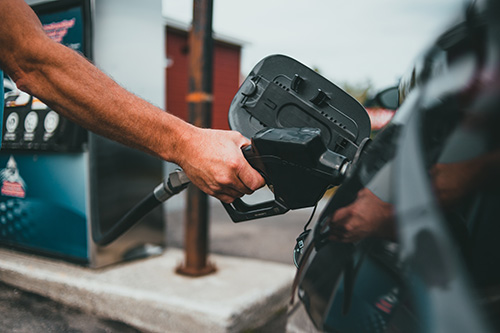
<point x="359" y="90"/>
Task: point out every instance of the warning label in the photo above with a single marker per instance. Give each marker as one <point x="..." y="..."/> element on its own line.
<point x="12" y="183"/>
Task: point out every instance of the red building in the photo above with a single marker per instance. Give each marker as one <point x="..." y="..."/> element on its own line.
<point x="226" y="74"/>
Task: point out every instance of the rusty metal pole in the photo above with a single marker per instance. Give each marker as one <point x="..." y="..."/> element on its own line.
<point x="200" y="114"/>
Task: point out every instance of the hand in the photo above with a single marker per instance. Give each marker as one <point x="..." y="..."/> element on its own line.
<point x="454" y="181"/>
<point x="213" y="161"/>
<point x="367" y="216"/>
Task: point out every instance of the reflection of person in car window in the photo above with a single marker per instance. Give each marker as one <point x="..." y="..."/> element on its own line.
<point x="453" y="181"/>
<point x="458" y="173"/>
<point x="371" y="214"/>
<point x="367" y="216"/>
<point x="69" y="84"/>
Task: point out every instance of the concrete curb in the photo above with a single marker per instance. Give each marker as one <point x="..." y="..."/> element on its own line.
<point x="147" y="294"/>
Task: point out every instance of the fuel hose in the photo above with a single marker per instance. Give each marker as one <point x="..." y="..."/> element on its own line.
<point x="173" y="184"/>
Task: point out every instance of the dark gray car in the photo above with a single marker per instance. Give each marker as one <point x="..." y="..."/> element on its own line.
<point x="432" y="264"/>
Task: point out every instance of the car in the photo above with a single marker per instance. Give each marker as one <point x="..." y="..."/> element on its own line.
<point x="408" y="241"/>
<point x="432" y="264"/>
<point x="381" y="108"/>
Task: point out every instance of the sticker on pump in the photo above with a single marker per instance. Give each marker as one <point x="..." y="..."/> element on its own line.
<point x="13" y="184"/>
<point x="38" y="104"/>
<point x="12" y="122"/>
<point x="51" y="122"/>
<point x="31" y="122"/>
<point x="11" y="125"/>
<point x="16" y="98"/>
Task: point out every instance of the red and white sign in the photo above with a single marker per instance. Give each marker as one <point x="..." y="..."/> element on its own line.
<point x="12" y="183"/>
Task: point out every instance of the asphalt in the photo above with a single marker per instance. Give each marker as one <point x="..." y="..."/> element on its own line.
<point x="268" y="240"/>
<point x="25" y="312"/>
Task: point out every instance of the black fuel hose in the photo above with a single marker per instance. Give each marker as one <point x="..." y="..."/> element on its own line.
<point x="127" y="221"/>
<point x="175" y="183"/>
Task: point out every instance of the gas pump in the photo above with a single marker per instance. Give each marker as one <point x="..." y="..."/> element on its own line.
<point x="59" y="182"/>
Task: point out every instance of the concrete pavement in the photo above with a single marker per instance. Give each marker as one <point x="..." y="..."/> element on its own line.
<point x="251" y="287"/>
<point x="148" y="295"/>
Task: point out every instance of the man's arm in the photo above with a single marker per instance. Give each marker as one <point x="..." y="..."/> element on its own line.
<point x="452" y="182"/>
<point x="72" y="86"/>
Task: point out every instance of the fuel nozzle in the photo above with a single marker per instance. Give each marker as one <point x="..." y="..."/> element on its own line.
<point x="296" y="164"/>
<point x="173" y="184"/>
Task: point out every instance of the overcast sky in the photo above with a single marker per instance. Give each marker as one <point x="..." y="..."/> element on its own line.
<point x="347" y="41"/>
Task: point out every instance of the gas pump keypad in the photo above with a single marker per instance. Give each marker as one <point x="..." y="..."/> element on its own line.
<point x="31" y="125"/>
<point x="12" y="122"/>
<point x="51" y="121"/>
<point x="31" y="122"/>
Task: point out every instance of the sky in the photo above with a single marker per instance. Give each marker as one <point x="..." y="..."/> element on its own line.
<point x="354" y="41"/>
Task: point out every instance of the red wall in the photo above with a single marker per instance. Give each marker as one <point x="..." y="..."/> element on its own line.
<point x="226" y="74"/>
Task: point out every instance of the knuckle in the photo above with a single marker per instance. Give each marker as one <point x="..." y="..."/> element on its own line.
<point x="223" y="181"/>
<point x="216" y="190"/>
<point x="348" y="228"/>
<point x="225" y="199"/>
<point x="233" y="164"/>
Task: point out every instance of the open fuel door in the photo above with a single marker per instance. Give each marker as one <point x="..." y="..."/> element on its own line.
<point x="283" y="96"/>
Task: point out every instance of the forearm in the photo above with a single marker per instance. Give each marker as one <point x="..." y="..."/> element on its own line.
<point x="72" y="86"/>
<point x="454" y="181"/>
<point x="66" y="82"/>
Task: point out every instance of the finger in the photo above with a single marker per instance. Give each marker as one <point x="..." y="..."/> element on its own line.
<point x="228" y="194"/>
<point x="349" y="239"/>
<point x="337" y="237"/>
<point x="341" y="237"/>
<point x="340" y="215"/>
<point x="234" y="188"/>
<point x="225" y="193"/>
<point x="334" y="238"/>
<point x="336" y="230"/>
<point x="244" y="142"/>
<point x="227" y="198"/>
<point x="250" y="178"/>
<point x="242" y="187"/>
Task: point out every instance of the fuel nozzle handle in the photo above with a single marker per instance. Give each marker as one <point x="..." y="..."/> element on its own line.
<point x="297" y="167"/>
<point x="255" y="160"/>
<point x="238" y="210"/>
